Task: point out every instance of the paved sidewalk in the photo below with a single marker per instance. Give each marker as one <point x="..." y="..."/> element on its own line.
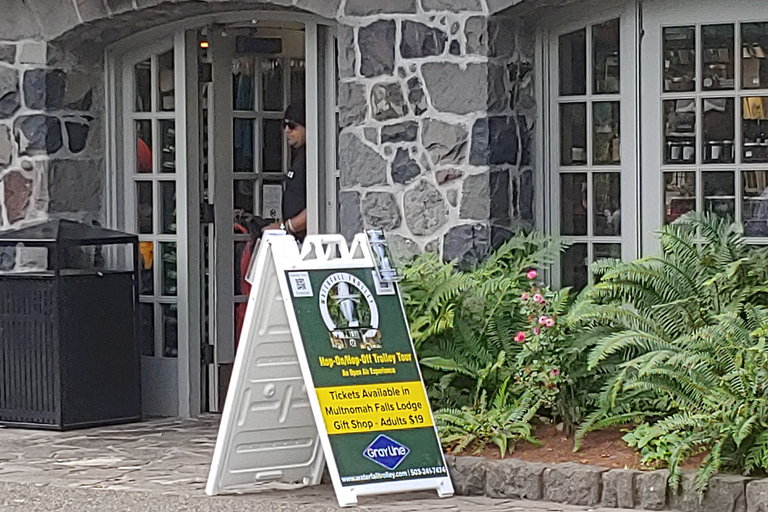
<point x="161" y="466"/>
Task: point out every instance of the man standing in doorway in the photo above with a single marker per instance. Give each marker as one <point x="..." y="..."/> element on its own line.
<point x="294" y="212"/>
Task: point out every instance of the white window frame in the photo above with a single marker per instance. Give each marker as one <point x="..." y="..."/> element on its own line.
<point x="658" y="15"/>
<point x="548" y="146"/>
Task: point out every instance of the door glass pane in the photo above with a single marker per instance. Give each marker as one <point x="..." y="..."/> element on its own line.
<point x="755" y="206"/>
<point x="606" y="139"/>
<point x="144" y="205"/>
<point x="168" y="277"/>
<point x="242" y="83"/>
<point x="170" y="330"/>
<point x="573" y="134"/>
<point x="754" y="71"/>
<point x="606" y="187"/>
<point x="718" y="130"/>
<point x="272" y="152"/>
<point x="573" y="200"/>
<point x="144" y="146"/>
<point x="717" y="57"/>
<point x="165" y="82"/>
<point x="679" y="131"/>
<point x="272" y="85"/>
<point x="143" y="82"/>
<point x="573" y="63"/>
<point x="720" y="193"/>
<point x="147" y="328"/>
<point x="573" y="266"/>
<point x="679" y="59"/>
<point x="243" y="195"/>
<point x="754" y="128"/>
<point x="147" y="264"/>
<point x="243" y="145"/>
<point x="168" y="142"/>
<point x="168" y="206"/>
<point x="605" y="50"/>
<point x="298" y="79"/>
<point x="679" y="194"/>
<point x="607" y="251"/>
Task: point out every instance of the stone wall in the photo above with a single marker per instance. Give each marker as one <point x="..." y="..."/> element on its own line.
<point x="50" y="151"/>
<point x="436" y="116"/>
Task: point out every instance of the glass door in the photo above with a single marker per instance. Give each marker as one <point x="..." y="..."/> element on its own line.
<point x="150" y="139"/>
<point x="254" y="78"/>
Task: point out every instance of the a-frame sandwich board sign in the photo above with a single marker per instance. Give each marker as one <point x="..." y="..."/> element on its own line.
<point x="361" y="383"/>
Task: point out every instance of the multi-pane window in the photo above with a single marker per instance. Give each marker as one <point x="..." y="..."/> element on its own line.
<point x="589" y="157"/>
<point x="152" y="181"/>
<point x="715" y="122"/>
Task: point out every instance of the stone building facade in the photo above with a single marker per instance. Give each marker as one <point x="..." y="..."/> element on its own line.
<point x="435" y="113"/>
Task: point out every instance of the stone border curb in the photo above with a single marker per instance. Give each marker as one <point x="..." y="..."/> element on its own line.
<point x="579" y="484"/>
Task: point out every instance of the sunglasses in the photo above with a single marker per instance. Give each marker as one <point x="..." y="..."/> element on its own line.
<point x="290" y="125"/>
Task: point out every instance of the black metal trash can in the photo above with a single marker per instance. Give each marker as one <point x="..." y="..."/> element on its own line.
<point x="69" y="353"/>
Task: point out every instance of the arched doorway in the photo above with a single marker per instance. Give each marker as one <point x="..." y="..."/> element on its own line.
<point x="196" y="141"/>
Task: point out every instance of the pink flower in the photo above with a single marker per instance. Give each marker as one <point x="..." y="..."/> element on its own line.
<point x="525" y="296"/>
<point x="543" y="320"/>
<point x="555" y="372"/>
<point x="537" y="298"/>
<point x="531" y="274"/>
<point x="520" y="337"/>
<point x="536" y="331"/>
<point x="550" y="322"/>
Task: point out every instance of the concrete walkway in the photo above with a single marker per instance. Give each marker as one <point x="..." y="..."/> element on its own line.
<point x="162" y="466"/>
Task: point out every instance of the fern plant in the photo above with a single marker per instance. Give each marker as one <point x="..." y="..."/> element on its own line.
<point x="461" y="320"/>
<point x="685" y="343"/>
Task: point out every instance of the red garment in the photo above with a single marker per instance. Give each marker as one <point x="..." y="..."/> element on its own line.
<point x="145" y="157"/>
<point x="245" y="286"/>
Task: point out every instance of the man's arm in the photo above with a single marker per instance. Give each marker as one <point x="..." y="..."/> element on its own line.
<point x="298" y="223"/>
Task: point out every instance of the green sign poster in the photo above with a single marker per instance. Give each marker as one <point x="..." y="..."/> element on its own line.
<point x="364" y="370"/>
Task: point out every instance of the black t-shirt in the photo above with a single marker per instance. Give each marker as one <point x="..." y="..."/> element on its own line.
<point x="295" y="186"/>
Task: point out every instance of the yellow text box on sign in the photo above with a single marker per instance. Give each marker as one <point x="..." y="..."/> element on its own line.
<point x="374" y="407"/>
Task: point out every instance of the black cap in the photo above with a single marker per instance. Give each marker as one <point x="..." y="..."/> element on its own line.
<point x="295" y="112"/>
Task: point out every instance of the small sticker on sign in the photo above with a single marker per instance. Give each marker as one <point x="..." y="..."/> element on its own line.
<point x="300" y="284"/>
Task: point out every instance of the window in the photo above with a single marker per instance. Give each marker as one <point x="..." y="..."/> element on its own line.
<point x="587" y="164"/>
<point x="714" y="94"/>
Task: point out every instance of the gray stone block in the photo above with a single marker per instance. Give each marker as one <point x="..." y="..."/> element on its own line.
<point x="475" y="197"/>
<point x="371" y="134"/>
<point x="619" y="489"/>
<point x="404" y="168"/>
<point x="419" y="40"/>
<point x="119" y="6"/>
<point x="33" y="52"/>
<point x="44" y="88"/>
<point x="17" y="195"/>
<point x="446" y="143"/>
<point x="725" y="493"/>
<point x="514" y="479"/>
<point x="425" y="209"/>
<point x="366" y="7"/>
<point x="452" y="5"/>
<point x="468" y="475"/>
<point x="326" y="8"/>
<point x="456" y="90"/>
<point x="574" y="484"/>
<point x="8" y="53"/>
<point x="452" y="195"/>
<point x="75" y="186"/>
<point x="476" y="34"/>
<point x="524" y="203"/>
<point x="350" y="219"/>
<point x="55" y="16"/>
<point x="377" y="48"/>
<point x="500" y="212"/>
<point x="359" y="163"/>
<point x="352" y="104"/>
<point x="401" y="132"/>
<point x="90" y="10"/>
<point x="443" y="176"/>
<point x="380" y="210"/>
<point x="38" y="135"/>
<point x="387" y="101"/>
<point x="467" y="244"/>
<point x="651" y="489"/>
<point x="757" y="495"/>
<point x="77" y="136"/>
<point x="404" y="249"/>
<point x="9" y="92"/>
<point x="346" y="51"/>
<point x="18" y="21"/>
<point x="6" y="146"/>
<point x="416" y="97"/>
